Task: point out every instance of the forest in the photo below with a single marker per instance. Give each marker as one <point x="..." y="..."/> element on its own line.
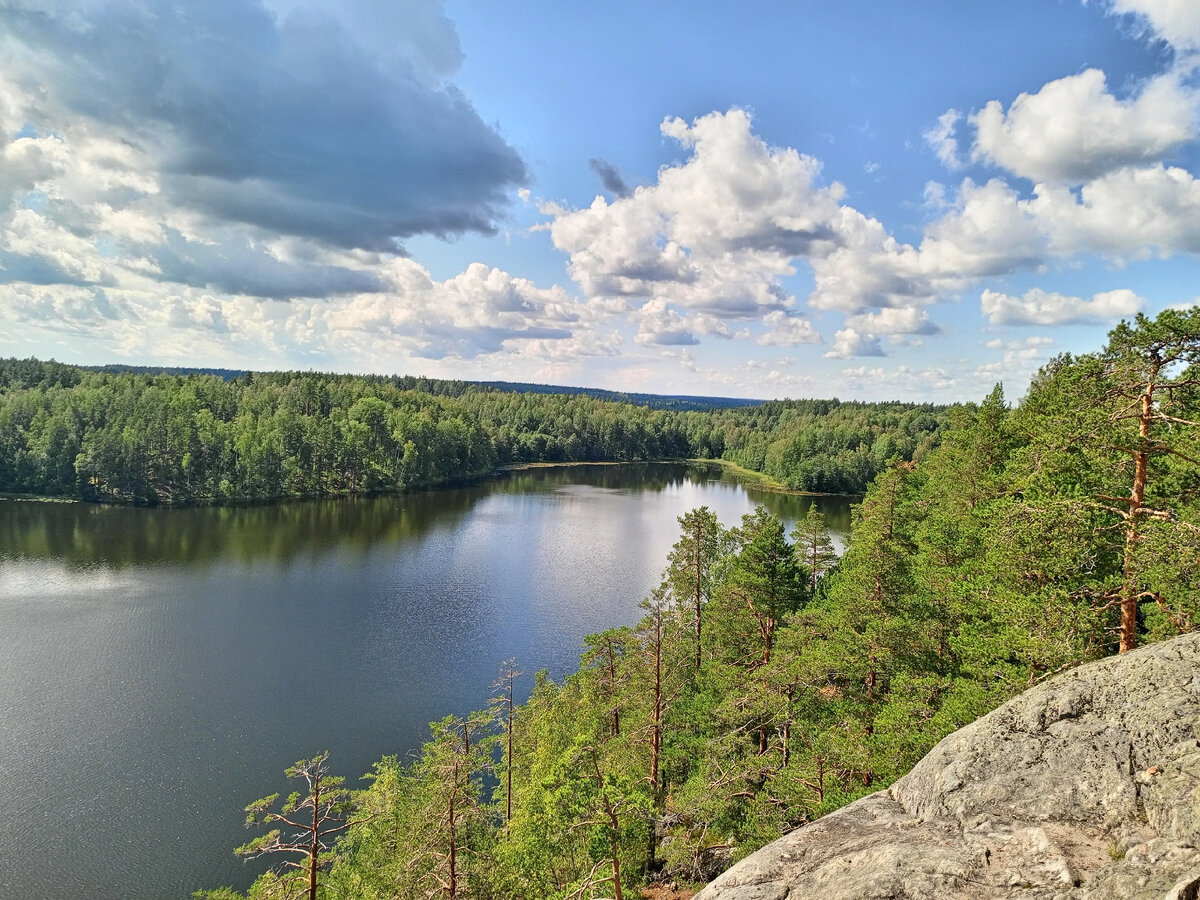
<point x="145" y="438"/>
<point x="770" y="682"/>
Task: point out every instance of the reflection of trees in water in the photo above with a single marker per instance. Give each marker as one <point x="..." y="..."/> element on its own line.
<point x="653" y="477"/>
<point x="84" y="534"/>
<point x="119" y="536"/>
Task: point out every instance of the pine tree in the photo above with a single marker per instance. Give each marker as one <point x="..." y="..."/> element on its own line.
<point x="1115" y="447"/>
<point x="691" y="566"/>
<point x="322" y="810"/>
<point x="814" y="547"/>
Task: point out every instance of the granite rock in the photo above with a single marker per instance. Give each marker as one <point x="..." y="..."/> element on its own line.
<point x="1086" y="787"/>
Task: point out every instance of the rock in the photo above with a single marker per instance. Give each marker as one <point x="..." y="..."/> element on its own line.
<point x="1086" y="787"/>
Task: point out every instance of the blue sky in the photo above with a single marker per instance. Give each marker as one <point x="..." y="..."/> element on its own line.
<point x="867" y="200"/>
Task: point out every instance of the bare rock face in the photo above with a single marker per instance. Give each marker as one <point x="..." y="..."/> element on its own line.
<point x="1086" y="787"/>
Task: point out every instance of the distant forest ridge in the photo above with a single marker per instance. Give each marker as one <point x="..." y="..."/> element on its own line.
<point x="454" y="387"/>
<point x="150" y="437"/>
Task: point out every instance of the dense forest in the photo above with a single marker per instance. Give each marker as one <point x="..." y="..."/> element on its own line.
<point x="768" y="682"/>
<point x="139" y="437"/>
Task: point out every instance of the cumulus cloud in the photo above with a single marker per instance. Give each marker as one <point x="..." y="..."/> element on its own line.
<point x="894" y="322"/>
<point x="986" y="231"/>
<point x="659" y="324"/>
<point x="715" y="234"/>
<point x="850" y="343"/>
<point x="1038" y="307"/>
<point x="787" y="330"/>
<point x="66" y="308"/>
<point x="1017" y="363"/>
<point x="1074" y="130"/>
<point x="476" y="312"/>
<point x="718" y="232"/>
<point x="1124" y="214"/>
<point x="289" y="122"/>
<point x="867" y="268"/>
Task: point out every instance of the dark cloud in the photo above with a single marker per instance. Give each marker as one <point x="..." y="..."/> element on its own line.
<point x="610" y="177"/>
<point x="239" y="269"/>
<point x="18" y="268"/>
<point x="293" y="124"/>
<point x="680" y="338"/>
<point x="791" y="241"/>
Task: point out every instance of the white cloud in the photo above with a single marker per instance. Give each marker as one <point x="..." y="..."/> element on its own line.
<point x="1175" y="21"/>
<point x="849" y="343"/>
<point x="987" y="232"/>
<point x="34" y="248"/>
<point x="26" y="163"/>
<point x="480" y="312"/>
<point x="787" y="330"/>
<point x="1038" y="307"/>
<point x="581" y="345"/>
<point x="868" y="268"/>
<point x="941" y="137"/>
<point x="715" y="234"/>
<point x="917" y="384"/>
<point x="1017" y="364"/>
<point x="659" y="324"/>
<point x="1074" y="130"/>
<point x="900" y="321"/>
<point x="933" y="197"/>
<point x="1123" y="214"/>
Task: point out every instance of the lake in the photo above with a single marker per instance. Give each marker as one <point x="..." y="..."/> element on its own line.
<point x="160" y="668"/>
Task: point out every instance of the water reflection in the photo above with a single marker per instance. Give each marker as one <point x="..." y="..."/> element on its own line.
<point x="82" y="534"/>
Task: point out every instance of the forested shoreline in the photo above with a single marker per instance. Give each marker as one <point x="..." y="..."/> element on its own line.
<point x="768" y="683"/>
<point x="136" y="437"/>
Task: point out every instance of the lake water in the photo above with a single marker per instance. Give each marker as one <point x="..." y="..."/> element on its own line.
<point x="160" y="668"/>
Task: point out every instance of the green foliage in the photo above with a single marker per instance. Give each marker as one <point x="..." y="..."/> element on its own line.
<point x="1113" y="450"/>
<point x="814" y="547"/>
<point x="308" y="821"/>
<point x="767" y="685"/>
<point x="138" y="437"/>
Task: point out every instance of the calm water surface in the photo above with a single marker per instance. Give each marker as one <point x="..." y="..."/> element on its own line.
<point x="160" y="668"/>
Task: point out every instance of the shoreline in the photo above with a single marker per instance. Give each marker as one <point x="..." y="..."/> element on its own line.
<point x="762" y="482"/>
<point x="746" y="477"/>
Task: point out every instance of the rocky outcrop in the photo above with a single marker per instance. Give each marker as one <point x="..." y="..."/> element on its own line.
<point x="1086" y="787"/>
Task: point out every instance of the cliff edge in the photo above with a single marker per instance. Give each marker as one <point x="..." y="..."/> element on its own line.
<point x="1086" y="787"/>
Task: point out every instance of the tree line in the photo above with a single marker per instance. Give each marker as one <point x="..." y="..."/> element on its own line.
<point x="769" y="683"/>
<point x="144" y="438"/>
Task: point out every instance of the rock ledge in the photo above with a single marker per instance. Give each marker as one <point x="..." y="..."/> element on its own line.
<point x="1086" y="787"/>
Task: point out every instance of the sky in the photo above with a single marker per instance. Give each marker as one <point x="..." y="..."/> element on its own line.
<point x="861" y="200"/>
